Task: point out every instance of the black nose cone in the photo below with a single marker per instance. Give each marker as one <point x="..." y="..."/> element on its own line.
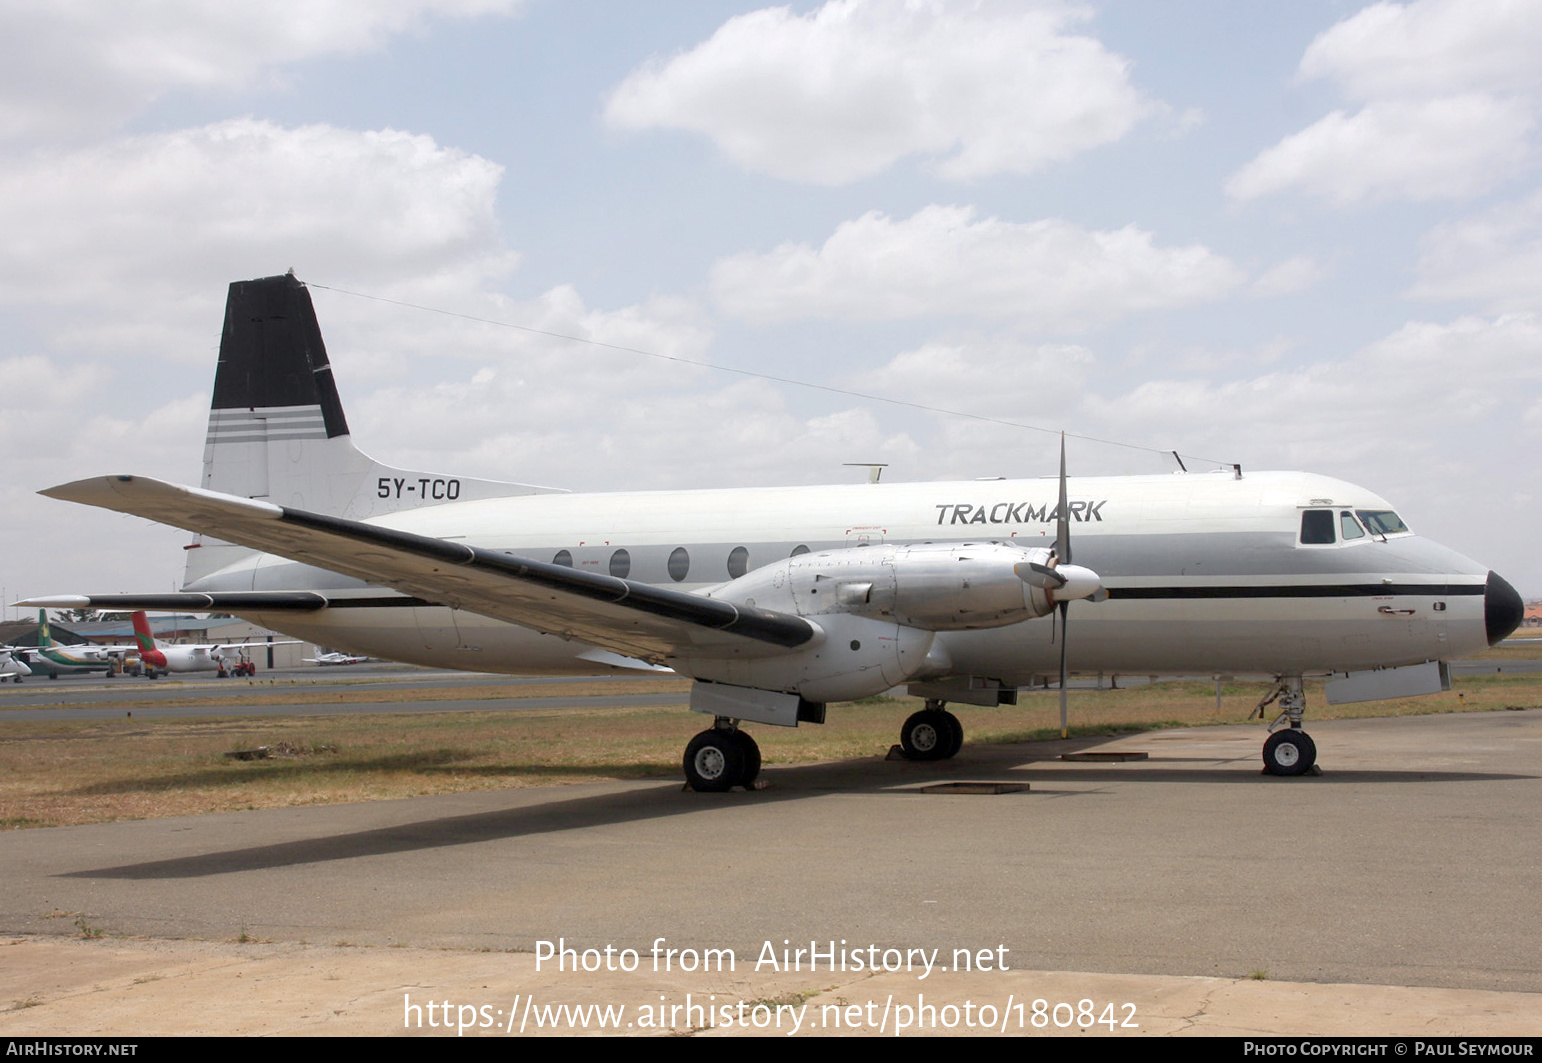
<point x="1502" y="609"/>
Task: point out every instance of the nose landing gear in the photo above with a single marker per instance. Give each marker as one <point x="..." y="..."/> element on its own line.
<point x="1290" y="751"/>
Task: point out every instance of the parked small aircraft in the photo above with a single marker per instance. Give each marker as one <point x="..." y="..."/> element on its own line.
<point x="53" y="658"/>
<point x="335" y="658"/>
<point x="12" y="665"/>
<point x="223" y="658"/>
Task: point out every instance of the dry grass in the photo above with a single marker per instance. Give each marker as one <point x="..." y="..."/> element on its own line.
<point x="62" y="773"/>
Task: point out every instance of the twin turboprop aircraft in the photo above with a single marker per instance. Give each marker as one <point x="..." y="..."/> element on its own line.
<point x="160" y="658"/>
<point x="53" y="658"/>
<point x="777" y="601"/>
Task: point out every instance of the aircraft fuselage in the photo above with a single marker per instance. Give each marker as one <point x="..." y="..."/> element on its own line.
<point x="1206" y="573"/>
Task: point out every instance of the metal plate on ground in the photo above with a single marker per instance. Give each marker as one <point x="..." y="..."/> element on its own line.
<point x="1134" y="754"/>
<point x="975" y="788"/>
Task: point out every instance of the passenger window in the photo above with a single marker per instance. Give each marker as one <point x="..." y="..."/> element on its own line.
<point x="620" y="564"/>
<point x="738" y="562"/>
<point x="679" y="564"/>
<point x="563" y="558"/>
<point x="1349" y="528"/>
<point x="796" y="550"/>
<point x="1317" y="527"/>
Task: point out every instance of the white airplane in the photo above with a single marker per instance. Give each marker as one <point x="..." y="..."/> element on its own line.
<point x="160" y="658"/>
<point x="335" y="658"/>
<point x="12" y="665"/>
<point x="777" y="601"/>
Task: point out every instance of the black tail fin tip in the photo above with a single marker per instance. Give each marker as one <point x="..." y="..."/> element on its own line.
<point x="272" y="354"/>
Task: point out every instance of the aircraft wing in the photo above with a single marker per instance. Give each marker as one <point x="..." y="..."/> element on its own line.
<point x="630" y="618"/>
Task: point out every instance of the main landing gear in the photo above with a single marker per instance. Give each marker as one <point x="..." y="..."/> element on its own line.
<point x="1289" y="751"/>
<point x="721" y="758"/>
<point x="934" y="733"/>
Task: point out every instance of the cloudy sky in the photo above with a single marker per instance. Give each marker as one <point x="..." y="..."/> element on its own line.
<point x="1300" y="235"/>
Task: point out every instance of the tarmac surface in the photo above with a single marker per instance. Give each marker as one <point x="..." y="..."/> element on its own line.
<point x="1188" y="887"/>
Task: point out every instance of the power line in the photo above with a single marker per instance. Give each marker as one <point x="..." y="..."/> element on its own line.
<point x="792" y="381"/>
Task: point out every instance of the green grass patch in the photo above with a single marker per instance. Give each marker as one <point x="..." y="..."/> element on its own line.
<point x="64" y="772"/>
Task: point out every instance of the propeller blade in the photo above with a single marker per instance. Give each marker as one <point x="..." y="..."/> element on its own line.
<point x="1040" y="576"/>
<point x="1065" y="620"/>
<point x="1063" y="523"/>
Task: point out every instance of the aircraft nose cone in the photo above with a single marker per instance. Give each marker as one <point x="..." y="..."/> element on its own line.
<point x="1502" y="609"/>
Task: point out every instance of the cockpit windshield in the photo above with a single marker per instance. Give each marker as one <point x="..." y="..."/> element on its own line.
<point x="1381" y="521"/>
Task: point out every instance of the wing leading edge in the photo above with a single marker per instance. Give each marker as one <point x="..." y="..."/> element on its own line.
<point x="630" y="618"/>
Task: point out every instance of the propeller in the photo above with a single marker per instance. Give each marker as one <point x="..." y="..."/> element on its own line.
<point x="1062" y="581"/>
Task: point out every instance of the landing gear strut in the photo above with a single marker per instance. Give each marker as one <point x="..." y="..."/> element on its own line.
<point x="1289" y="751"/>
<point x="721" y="758"/>
<point x="934" y="733"/>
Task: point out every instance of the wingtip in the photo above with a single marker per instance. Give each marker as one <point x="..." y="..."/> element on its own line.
<point x="80" y="490"/>
<point x="56" y="601"/>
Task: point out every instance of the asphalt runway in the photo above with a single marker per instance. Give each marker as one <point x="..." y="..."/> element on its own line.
<point x="1411" y="860"/>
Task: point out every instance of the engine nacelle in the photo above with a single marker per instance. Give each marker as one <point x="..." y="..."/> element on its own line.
<point x="853" y="657"/>
<point x="878" y="609"/>
<point x="929" y="586"/>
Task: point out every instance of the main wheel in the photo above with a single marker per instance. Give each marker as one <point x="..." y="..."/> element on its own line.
<point x="1289" y="752"/>
<point x="751" y="767"/>
<point x="931" y="734"/>
<point x="714" y="761"/>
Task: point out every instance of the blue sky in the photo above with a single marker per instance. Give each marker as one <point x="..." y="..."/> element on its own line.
<point x="1292" y="235"/>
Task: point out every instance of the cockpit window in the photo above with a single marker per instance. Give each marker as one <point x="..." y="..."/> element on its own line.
<point x="1382" y="521"/>
<point x="1349" y="528"/>
<point x="1316" y="527"/>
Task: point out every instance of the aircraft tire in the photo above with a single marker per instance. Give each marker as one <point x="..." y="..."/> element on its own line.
<point x="714" y="761"/>
<point x="931" y="734"/>
<point x="1289" y="752"/>
<point x="750" y="770"/>
<point x="957" y="741"/>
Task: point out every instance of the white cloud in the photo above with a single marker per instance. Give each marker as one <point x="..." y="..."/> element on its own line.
<point x="71" y="68"/>
<point x="845" y="91"/>
<point x="59" y="422"/>
<point x="1047" y="274"/>
<point x="1391" y="407"/>
<point x="147" y="221"/>
<point x="1449" y="102"/>
<point x="1494" y="259"/>
<point x="1431" y="47"/>
<point x="995" y="376"/>
<point x="1288" y="277"/>
<point x="1447" y="148"/>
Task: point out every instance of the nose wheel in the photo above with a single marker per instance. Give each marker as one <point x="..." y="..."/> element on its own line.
<point x="721" y="758"/>
<point x="1289" y="751"/>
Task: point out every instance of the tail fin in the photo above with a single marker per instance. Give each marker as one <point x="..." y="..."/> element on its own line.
<point x="142" y="634"/>
<point x="277" y="430"/>
<point x="44" y="639"/>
